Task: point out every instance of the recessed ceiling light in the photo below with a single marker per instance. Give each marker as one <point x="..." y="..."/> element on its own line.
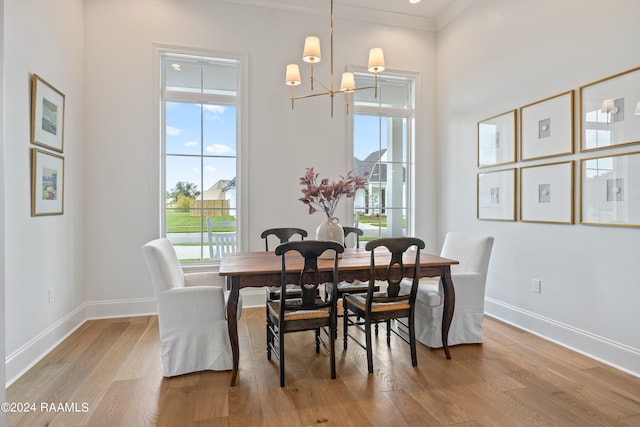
<point x="414" y="1"/>
<point x="175" y="67"/>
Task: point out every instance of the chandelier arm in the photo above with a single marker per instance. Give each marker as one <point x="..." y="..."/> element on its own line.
<point x="329" y="90"/>
<point x="311" y="95"/>
<point x="359" y="88"/>
<point x="330" y="93"/>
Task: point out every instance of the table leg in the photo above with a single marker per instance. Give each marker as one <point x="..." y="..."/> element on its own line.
<point x="232" y="323"/>
<point x="449" y="305"/>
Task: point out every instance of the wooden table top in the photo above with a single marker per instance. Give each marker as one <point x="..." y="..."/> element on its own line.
<point x="259" y="263"/>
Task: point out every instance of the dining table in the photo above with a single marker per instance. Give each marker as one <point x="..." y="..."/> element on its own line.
<point x="263" y="268"/>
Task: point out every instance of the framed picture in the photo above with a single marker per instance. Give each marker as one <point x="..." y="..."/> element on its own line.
<point x="610" y="190"/>
<point x="610" y="111"/>
<point x="546" y="193"/>
<point x="546" y="127"/>
<point x="497" y="195"/>
<point x="497" y="140"/>
<point x="47" y="115"/>
<point x="47" y="183"/>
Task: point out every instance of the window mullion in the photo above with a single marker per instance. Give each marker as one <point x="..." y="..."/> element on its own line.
<point x="186" y="158"/>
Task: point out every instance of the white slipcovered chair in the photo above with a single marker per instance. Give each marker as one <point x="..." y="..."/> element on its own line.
<point x="191" y="314"/>
<point x="469" y="279"/>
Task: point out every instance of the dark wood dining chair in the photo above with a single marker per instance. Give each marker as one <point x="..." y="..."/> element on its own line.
<point x="283" y="234"/>
<point x="357" y="232"/>
<point x="375" y="306"/>
<point x="309" y="312"/>
<point x="355" y="287"/>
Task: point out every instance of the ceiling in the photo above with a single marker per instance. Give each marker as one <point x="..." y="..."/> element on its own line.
<point x="428" y="15"/>
<point x="426" y="8"/>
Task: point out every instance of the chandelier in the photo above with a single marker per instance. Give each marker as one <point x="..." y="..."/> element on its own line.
<point x="311" y="54"/>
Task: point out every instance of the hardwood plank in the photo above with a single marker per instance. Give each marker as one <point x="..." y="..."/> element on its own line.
<point x="513" y="378"/>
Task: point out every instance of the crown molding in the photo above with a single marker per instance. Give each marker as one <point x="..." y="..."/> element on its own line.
<point x="363" y="14"/>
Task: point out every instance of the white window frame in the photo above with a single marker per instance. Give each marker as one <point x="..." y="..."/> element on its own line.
<point x="241" y="138"/>
<point x="410" y="114"/>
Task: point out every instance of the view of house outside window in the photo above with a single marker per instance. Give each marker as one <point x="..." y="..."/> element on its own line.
<point x="381" y="141"/>
<point x="200" y="120"/>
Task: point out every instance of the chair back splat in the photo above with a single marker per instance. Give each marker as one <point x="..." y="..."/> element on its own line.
<point x="356" y="286"/>
<point x="358" y="232"/>
<point x="283" y="235"/>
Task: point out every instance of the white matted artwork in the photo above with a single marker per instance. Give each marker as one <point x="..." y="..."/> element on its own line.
<point x="546" y="127"/>
<point x="497" y="195"/>
<point x="47" y="115"/>
<point x="546" y="193"/>
<point x="610" y="111"/>
<point x="497" y="140"/>
<point x="47" y="183"/>
<point x="610" y="190"/>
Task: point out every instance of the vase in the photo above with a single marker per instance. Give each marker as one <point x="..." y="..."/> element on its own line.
<point x="330" y="230"/>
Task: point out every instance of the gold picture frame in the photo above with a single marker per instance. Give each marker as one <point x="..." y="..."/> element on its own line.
<point x="497" y="140"/>
<point x="496" y="198"/>
<point x="610" y="111"/>
<point x="546" y="193"/>
<point x="47" y="183"/>
<point x="47" y="115"/>
<point x="546" y="127"/>
<point x="610" y="190"/>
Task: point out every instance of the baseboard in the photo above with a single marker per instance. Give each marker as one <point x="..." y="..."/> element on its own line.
<point x="609" y="352"/>
<point x="24" y="358"/>
<point x="253" y="297"/>
<point x="21" y="360"/>
<point x="120" y="308"/>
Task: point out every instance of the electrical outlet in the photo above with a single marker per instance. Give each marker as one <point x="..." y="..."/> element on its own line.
<point x="536" y="285"/>
<point x="50" y="295"/>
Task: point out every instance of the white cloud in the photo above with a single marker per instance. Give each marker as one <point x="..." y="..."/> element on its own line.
<point x="191" y="143"/>
<point x="209" y="169"/>
<point x="215" y="109"/>
<point x="219" y="149"/>
<point x="173" y="131"/>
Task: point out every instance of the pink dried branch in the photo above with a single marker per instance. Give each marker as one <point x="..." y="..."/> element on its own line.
<point x="325" y="196"/>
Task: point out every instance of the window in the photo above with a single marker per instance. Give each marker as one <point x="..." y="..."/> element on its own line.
<point x="200" y="139"/>
<point x="382" y="138"/>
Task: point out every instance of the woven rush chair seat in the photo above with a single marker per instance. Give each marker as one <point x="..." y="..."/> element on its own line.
<point x="360" y="301"/>
<point x="274" y="310"/>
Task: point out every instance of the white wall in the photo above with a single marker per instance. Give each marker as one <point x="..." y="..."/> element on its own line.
<point x="122" y="158"/>
<point x="503" y="54"/>
<point x="45" y="38"/>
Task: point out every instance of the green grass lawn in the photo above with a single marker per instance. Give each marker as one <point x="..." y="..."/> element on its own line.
<point x="179" y="221"/>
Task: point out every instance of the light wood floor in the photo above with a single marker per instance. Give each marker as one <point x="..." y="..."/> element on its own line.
<point x="108" y="373"/>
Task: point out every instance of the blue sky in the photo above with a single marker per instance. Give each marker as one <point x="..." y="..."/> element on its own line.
<point x="218" y="139"/>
